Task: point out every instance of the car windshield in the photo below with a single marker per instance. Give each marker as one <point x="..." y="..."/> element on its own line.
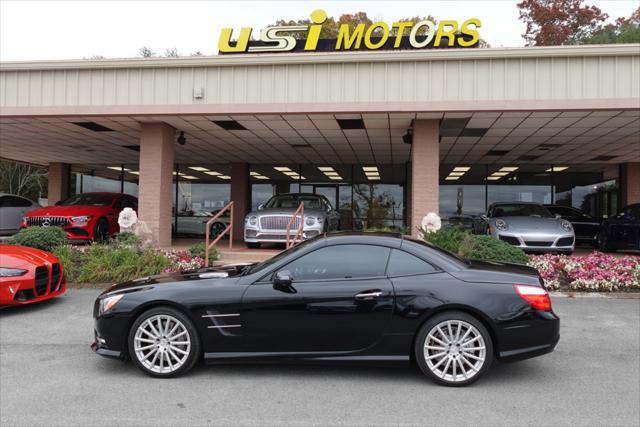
<point x="521" y="209"/>
<point x="88" y="200"/>
<point x="292" y="201"/>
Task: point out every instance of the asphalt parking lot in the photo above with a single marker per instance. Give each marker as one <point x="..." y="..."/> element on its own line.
<point x="49" y="377"/>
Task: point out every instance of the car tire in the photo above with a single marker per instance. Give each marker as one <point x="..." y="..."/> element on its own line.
<point x="216" y="229"/>
<point x="151" y="336"/>
<point x="453" y="340"/>
<point x="101" y="231"/>
<point x="603" y="243"/>
<point x="253" y="245"/>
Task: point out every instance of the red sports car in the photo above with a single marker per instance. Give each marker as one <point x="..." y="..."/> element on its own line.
<point x="29" y="275"/>
<point x="84" y="217"/>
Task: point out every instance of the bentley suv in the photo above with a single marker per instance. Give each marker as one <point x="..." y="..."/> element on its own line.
<point x="269" y="223"/>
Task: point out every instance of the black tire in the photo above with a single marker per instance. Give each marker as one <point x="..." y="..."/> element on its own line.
<point x="253" y="245"/>
<point x="603" y="243"/>
<point x="195" y="349"/>
<point x="216" y="229"/>
<point x="101" y="231"/>
<point x="565" y="253"/>
<point x="463" y="319"/>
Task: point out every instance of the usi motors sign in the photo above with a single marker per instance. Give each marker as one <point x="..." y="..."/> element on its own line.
<point x="377" y="36"/>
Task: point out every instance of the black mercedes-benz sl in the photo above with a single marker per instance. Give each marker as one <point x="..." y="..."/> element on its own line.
<point x="361" y="297"/>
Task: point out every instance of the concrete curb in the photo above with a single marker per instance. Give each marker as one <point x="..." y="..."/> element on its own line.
<point x="610" y="295"/>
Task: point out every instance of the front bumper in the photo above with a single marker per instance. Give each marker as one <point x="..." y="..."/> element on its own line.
<point x="255" y="235"/>
<point x="537" y="242"/>
<point x="22" y="290"/>
<point x="110" y="336"/>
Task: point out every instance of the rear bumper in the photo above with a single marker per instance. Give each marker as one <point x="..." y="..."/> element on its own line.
<point x="535" y="336"/>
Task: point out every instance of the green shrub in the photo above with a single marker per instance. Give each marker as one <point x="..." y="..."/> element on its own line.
<point x="197" y="249"/>
<point x="449" y="239"/>
<point x="487" y="248"/>
<point x="44" y="238"/>
<point x="70" y="260"/>
<point x="102" y="263"/>
<point x="127" y="238"/>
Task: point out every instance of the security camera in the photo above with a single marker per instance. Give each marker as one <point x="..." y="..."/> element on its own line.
<point x="181" y="138"/>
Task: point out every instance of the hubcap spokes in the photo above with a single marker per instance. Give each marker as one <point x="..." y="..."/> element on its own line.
<point x="454" y="350"/>
<point x="162" y="343"/>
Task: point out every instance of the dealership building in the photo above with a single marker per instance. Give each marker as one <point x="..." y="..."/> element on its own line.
<point x="387" y="136"/>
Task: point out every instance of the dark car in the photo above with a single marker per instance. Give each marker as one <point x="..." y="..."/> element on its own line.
<point x="356" y="297"/>
<point x="586" y="227"/>
<point x="621" y="231"/>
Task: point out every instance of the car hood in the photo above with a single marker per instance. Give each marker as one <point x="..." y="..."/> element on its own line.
<point x="67" y="210"/>
<point x="307" y="212"/>
<point x="530" y="223"/>
<point x="498" y="272"/>
<point x="13" y="256"/>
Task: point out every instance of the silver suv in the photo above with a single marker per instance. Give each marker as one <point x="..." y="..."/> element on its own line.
<point x="269" y="222"/>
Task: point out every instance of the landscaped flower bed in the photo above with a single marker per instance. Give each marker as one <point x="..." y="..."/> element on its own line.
<point x="596" y="272"/>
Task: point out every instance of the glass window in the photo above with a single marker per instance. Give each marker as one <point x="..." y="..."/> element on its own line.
<point x="340" y="262"/>
<point x="292" y="201"/>
<point x="402" y="264"/>
<point x="260" y="193"/>
<point x="14" y="202"/>
<point x="89" y="199"/>
<point x="519" y="209"/>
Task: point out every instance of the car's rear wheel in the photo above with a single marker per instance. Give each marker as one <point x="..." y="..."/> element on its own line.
<point x="453" y="349"/>
<point x="101" y="231"/>
<point x="216" y="229"/>
<point x="164" y="343"/>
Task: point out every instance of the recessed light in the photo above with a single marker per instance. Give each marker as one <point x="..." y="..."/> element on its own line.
<point x="254" y="173"/>
<point x="557" y="169"/>
<point x="213" y="173"/>
<point x="134" y="172"/>
<point x="190" y="177"/>
<point x="325" y="169"/>
<point x="336" y="178"/>
<point x="500" y="174"/>
<point x="198" y="168"/>
<point x="456" y="173"/>
<point x="332" y="174"/>
<point x="461" y="168"/>
<point x="494" y="178"/>
<point x="509" y="169"/>
<point x="224" y="177"/>
<point x="451" y="178"/>
<point x="281" y="168"/>
<point x="117" y="168"/>
<point x="373" y="178"/>
<point x="370" y="168"/>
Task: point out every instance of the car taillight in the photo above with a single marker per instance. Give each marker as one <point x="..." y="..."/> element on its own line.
<point x="535" y="296"/>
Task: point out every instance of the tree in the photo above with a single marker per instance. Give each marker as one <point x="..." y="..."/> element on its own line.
<point x="625" y="30"/>
<point x="146" y="52"/>
<point x="559" y="22"/>
<point x="376" y="205"/>
<point x="22" y="180"/>
<point x="173" y="52"/>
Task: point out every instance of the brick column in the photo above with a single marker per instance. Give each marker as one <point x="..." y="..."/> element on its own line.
<point x="423" y="188"/>
<point x="156" y="179"/>
<point x="630" y="183"/>
<point x="58" y="182"/>
<point x="241" y="196"/>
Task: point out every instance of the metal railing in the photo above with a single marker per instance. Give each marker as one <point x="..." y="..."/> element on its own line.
<point x="298" y="237"/>
<point x="229" y="230"/>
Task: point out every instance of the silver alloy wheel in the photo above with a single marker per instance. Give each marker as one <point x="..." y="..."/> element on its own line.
<point x="455" y="350"/>
<point x="162" y="344"/>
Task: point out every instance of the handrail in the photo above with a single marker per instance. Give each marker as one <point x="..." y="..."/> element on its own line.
<point x="300" y="231"/>
<point x="229" y="229"/>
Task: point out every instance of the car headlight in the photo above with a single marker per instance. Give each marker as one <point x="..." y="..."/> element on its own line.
<point x="11" y="272"/>
<point x="252" y="220"/>
<point x="566" y="225"/>
<point x="501" y="225"/>
<point x="310" y="220"/>
<point x="108" y="303"/>
<point x="80" y="219"/>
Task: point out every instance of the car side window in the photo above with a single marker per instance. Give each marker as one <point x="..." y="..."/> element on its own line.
<point x="14" y="202"/>
<point x="402" y="263"/>
<point x="340" y="262"/>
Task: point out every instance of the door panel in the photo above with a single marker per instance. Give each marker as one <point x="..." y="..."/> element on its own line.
<point x="322" y="316"/>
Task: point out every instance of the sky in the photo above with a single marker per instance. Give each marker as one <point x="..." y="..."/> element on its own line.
<point x="45" y="30"/>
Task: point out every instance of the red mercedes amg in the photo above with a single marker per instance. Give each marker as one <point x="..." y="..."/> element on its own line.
<point x="84" y="217"/>
<point x="29" y="275"/>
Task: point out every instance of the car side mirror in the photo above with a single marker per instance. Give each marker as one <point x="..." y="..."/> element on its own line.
<point x="282" y="281"/>
<point x="260" y="207"/>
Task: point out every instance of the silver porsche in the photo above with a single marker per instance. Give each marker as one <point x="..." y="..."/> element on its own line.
<point x="529" y="226"/>
<point x="268" y="224"/>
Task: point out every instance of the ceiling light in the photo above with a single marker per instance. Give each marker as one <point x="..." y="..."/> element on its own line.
<point x="281" y="168"/>
<point x="134" y="172"/>
<point x="370" y="168"/>
<point x="509" y="169"/>
<point x="452" y="178"/>
<point x="494" y="178"/>
<point x="557" y="169"/>
<point x="456" y="173"/>
<point x="500" y="174"/>
<point x="198" y="168"/>
<point x="336" y="178"/>
<point x="190" y="177"/>
<point x="254" y="174"/>
<point x="117" y="168"/>
<point x="461" y="168"/>
<point x="332" y="174"/>
<point x="325" y="169"/>
<point x="213" y="173"/>
<point x="224" y="177"/>
<point x="261" y="177"/>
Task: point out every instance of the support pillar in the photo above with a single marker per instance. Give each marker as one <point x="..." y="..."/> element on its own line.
<point x="423" y="188"/>
<point x="157" y="142"/>
<point x="58" y="182"/>
<point x="630" y="183"/>
<point x="241" y="197"/>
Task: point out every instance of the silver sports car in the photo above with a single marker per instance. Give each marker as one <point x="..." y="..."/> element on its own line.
<point x="269" y="222"/>
<point x="529" y="226"/>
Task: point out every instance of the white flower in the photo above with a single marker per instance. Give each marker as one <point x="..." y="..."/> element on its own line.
<point x="431" y="222"/>
<point x="127" y="218"/>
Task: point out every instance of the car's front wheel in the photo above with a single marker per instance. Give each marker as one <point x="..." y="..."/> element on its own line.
<point x="253" y="245"/>
<point x="454" y="349"/>
<point x="101" y="231"/>
<point x="164" y="343"/>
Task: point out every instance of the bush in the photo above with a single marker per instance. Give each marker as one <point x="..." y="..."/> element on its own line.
<point x="70" y="259"/>
<point x="487" y="248"/>
<point x="102" y="263"/>
<point x="44" y="238"/>
<point x="127" y="238"/>
<point x="448" y="239"/>
<point x="198" y="250"/>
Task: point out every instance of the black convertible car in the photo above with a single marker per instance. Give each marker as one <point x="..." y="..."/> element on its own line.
<point x="338" y="297"/>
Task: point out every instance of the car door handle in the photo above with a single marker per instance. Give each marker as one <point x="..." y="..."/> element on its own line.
<point x="369" y="295"/>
